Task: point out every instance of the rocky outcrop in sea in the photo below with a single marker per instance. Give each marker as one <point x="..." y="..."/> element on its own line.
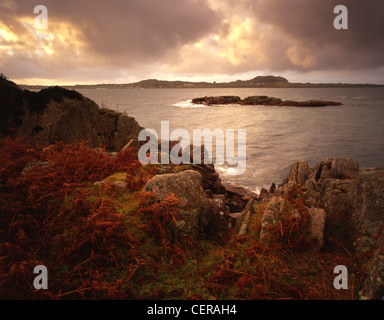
<point x="262" y="101"/>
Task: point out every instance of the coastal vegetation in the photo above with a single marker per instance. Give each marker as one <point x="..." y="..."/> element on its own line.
<point x="105" y="242"/>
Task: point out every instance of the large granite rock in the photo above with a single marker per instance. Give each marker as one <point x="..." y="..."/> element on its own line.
<point x="213" y="220"/>
<point x="327" y="182"/>
<point x="317" y="224"/>
<point x="279" y="213"/>
<point x="344" y="168"/>
<point x="367" y="209"/>
<point x="334" y="168"/>
<point x="299" y="172"/>
<point x="373" y="286"/>
<point x="184" y="185"/>
<point x="354" y="204"/>
<point x="243" y="219"/>
<point x="269" y="223"/>
<point x="197" y="213"/>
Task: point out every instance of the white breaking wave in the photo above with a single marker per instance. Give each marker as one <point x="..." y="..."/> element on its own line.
<point x="189" y="104"/>
<point x="227" y="170"/>
<point x="226" y="173"/>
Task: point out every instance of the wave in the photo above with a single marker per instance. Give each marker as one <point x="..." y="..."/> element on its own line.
<point x="188" y="104"/>
<point x="227" y="172"/>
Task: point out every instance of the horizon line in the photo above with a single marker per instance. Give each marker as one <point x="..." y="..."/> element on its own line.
<point x="195" y="82"/>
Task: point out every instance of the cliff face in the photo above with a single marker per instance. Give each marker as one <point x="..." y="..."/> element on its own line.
<point x="56" y="114"/>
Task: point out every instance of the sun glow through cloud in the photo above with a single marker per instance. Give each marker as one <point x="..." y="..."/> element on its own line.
<point x="192" y="39"/>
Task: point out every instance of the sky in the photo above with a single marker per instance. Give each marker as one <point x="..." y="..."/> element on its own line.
<point x="123" y="41"/>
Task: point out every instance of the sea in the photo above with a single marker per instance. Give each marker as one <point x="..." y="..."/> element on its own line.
<point x="276" y="137"/>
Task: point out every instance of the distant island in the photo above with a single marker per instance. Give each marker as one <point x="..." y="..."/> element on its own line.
<point x="257" y="82"/>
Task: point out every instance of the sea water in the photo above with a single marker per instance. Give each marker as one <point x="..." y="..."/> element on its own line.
<point x="276" y="136"/>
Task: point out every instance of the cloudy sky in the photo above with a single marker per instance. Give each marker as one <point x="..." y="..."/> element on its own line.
<point x="120" y="41"/>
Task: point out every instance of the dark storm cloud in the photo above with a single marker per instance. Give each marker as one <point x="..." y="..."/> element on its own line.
<point x="98" y="40"/>
<point x="138" y="29"/>
<point x="309" y="25"/>
<point x="299" y="36"/>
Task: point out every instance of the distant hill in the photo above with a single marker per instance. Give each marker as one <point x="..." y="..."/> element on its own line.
<point x="262" y="80"/>
<point x="257" y="82"/>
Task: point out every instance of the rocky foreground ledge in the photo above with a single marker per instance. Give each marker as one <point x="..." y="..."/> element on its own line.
<point x="332" y="201"/>
<point x="262" y="101"/>
<point x="181" y="232"/>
